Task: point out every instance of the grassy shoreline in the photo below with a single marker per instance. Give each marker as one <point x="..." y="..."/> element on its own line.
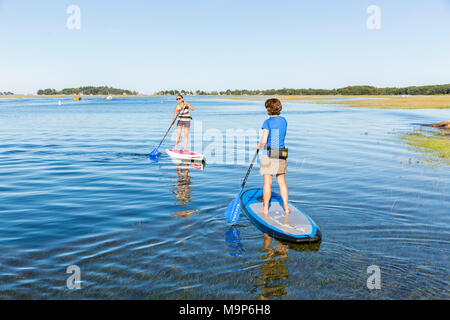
<point x="400" y="102"/>
<point x="435" y="146"/>
<point x="380" y="101"/>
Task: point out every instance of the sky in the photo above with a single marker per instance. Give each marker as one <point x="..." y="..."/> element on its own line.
<point x="149" y="46"/>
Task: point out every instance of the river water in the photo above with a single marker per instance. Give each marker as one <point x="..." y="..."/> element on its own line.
<point x="78" y="188"/>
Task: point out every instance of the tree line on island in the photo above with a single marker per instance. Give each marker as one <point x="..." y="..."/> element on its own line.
<point x="89" y="90"/>
<point x="350" y="90"/>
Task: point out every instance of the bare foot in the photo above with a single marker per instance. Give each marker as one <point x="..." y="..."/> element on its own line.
<point x="287" y="210"/>
<point x="265" y="211"/>
<point x="287" y="213"/>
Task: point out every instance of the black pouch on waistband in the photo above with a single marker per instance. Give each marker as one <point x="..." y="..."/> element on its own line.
<point x="278" y="153"/>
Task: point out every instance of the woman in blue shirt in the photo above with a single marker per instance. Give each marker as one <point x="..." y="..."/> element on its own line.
<point x="274" y="133"/>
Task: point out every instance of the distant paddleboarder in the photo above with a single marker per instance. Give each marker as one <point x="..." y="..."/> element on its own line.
<point x="184" y="121"/>
<point x="274" y="154"/>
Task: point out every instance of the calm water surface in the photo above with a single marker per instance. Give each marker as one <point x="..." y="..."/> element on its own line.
<point x="77" y="188"/>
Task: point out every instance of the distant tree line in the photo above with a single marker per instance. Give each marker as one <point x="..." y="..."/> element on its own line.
<point x="350" y="90"/>
<point x="6" y="93"/>
<point x="87" y="91"/>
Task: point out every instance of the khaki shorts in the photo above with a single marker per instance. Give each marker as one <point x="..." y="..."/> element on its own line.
<point x="272" y="165"/>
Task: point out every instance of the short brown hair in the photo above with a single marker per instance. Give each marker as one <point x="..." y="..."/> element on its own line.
<point x="273" y="106"/>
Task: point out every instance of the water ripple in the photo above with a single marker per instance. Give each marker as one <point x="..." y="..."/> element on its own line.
<point x="78" y="188"/>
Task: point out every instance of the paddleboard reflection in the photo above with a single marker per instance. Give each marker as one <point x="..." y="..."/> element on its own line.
<point x="271" y="280"/>
<point x="197" y="165"/>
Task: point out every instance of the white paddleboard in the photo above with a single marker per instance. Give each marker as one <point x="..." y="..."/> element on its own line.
<point x="185" y="155"/>
<point x="197" y="165"/>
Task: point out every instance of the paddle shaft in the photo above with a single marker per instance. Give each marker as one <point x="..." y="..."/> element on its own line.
<point x="249" y="169"/>
<point x="233" y="210"/>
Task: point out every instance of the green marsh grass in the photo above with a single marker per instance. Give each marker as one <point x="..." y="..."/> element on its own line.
<point x="435" y="145"/>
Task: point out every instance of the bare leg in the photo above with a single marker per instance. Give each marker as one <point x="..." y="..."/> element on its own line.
<point x="185" y="138"/>
<point x="267" y="193"/>
<point x="177" y="139"/>
<point x="281" y="179"/>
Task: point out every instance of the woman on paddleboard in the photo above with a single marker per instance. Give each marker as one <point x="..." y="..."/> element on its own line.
<point x="274" y="154"/>
<point x="184" y="121"/>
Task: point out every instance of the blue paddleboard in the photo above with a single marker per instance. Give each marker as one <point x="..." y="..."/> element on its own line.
<point x="296" y="227"/>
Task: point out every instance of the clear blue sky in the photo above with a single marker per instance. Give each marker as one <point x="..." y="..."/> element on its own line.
<point x="222" y="44"/>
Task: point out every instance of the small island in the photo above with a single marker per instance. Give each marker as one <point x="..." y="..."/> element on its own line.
<point x="88" y="90"/>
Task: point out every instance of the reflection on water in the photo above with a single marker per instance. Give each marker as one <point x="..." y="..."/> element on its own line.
<point x="233" y="240"/>
<point x="77" y="187"/>
<point x="184" y="213"/>
<point x="182" y="190"/>
<point x="272" y="273"/>
<point x="197" y="165"/>
<point x="272" y="280"/>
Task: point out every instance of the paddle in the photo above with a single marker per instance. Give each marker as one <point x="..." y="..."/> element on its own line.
<point x="234" y="208"/>
<point x="233" y="238"/>
<point x="154" y="153"/>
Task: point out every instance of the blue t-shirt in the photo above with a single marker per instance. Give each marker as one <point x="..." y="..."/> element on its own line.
<point x="277" y="127"/>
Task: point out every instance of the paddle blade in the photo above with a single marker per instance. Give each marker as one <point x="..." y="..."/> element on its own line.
<point x="154" y="153"/>
<point x="234" y="208"/>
